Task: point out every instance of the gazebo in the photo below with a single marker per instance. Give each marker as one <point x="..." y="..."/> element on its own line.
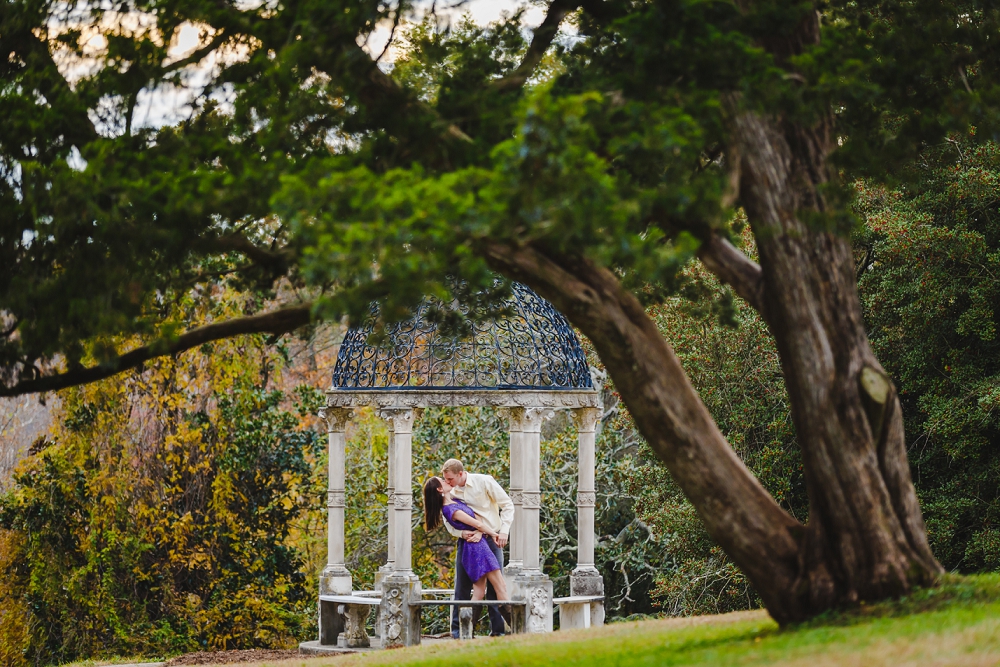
<point x="524" y="359"/>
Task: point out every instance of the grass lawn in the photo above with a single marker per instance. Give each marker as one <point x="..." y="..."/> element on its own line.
<point x="956" y="624"/>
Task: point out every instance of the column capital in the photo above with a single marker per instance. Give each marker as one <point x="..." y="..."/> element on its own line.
<point x="400" y="419"/>
<point x="586" y="418"/>
<point x="531" y="419"/>
<point x="336" y="418"/>
<point x="513" y="415"/>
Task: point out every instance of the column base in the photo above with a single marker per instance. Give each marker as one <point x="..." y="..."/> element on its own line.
<point x="399" y="620"/>
<point x="536" y="590"/>
<point x="587" y="580"/>
<point x="335" y="581"/>
<point x="510" y="572"/>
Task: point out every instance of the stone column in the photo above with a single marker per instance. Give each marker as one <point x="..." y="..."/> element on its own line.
<point x="390" y="561"/>
<point x="399" y="620"/>
<point x="532" y="585"/>
<point x="335" y="579"/>
<point x="531" y="497"/>
<point x="390" y="512"/>
<point x="585" y="578"/>
<point x="515" y="563"/>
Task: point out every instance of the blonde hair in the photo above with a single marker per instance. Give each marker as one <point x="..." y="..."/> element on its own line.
<point x="453" y="466"/>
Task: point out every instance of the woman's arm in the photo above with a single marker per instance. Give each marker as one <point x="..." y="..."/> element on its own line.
<point x="461" y="515"/>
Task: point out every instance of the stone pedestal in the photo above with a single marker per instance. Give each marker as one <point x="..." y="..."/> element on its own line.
<point x="536" y="616"/>
<point x="332" y="581"/>
<point x="588" y="581"/>
<point x="400" y="620"/>
<point x="510" y="573"/>
<point x="335" y="580"/>
<point x="380" y="576"/>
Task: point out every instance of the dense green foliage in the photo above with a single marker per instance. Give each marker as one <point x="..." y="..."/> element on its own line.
<point x="291" y="155"/>
<point x="735" y="368"/>
<point x="929" y="262"/>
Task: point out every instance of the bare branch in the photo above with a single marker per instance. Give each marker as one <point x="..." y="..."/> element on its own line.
<point x="735" y="269"/>
<point x="276" y="322"/>
<point x="540" y="43"/>
<point x="396" y="18"/>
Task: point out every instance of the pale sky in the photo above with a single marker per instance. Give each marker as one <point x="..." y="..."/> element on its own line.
<point x="481" y="11"/>
<point x="169" y="106"/>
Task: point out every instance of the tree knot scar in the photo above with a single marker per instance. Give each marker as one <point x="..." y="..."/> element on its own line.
<point x="876" y="388"/>
<point x="875" y="384"/>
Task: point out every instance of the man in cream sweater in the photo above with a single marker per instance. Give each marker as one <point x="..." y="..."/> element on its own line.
<point x="492" y="506"/>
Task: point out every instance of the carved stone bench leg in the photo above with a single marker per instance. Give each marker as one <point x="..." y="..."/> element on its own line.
<point x="465" y="623"/>
<point x="355" y="618"/>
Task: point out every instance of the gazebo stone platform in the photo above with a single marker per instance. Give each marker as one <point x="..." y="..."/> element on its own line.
<point x="526" y="362"/>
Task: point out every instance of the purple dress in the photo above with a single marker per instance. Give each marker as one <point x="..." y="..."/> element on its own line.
<point x="477" y="557"/>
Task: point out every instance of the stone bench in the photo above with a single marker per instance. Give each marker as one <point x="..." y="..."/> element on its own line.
<point x="355" y="609"/>
<point x="574" y="611"/>
<point x="465" y="610"/>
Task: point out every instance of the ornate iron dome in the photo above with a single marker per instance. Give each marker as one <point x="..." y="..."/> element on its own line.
<point x="533" y="348"/>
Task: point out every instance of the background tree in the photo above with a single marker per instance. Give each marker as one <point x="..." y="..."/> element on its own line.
<point x="928" y="259"/>
<point x="160" y="514"/>
<point x="592" y="179"/>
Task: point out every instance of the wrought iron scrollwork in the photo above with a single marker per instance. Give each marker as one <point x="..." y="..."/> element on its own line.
<point x="532" y="347"/>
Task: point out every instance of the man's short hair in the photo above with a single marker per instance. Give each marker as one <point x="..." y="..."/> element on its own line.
<point x="454" y="466"/>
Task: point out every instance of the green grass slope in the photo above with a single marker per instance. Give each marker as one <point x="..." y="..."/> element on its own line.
<point x="957" y="624"/>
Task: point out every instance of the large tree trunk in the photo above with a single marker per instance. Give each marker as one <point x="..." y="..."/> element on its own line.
<point x="760" y="537"/>
<point x="865" y="539"/>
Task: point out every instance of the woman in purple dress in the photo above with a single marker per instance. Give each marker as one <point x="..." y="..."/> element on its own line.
<point x="477" y="557"/>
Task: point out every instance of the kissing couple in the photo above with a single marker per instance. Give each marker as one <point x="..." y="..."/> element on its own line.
<point x="477" y="511"/>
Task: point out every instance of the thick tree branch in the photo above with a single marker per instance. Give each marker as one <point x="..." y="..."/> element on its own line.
<point x="54" y="86"/>
<point x="198" y="55"/>
<point x="540" y="43"/>
<point x="735" y="269"/>
<point x="275" y="260"/>
<point x="276" y="322"/>
<point x="761" y="538"/>
<point x="380" y="89"/>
